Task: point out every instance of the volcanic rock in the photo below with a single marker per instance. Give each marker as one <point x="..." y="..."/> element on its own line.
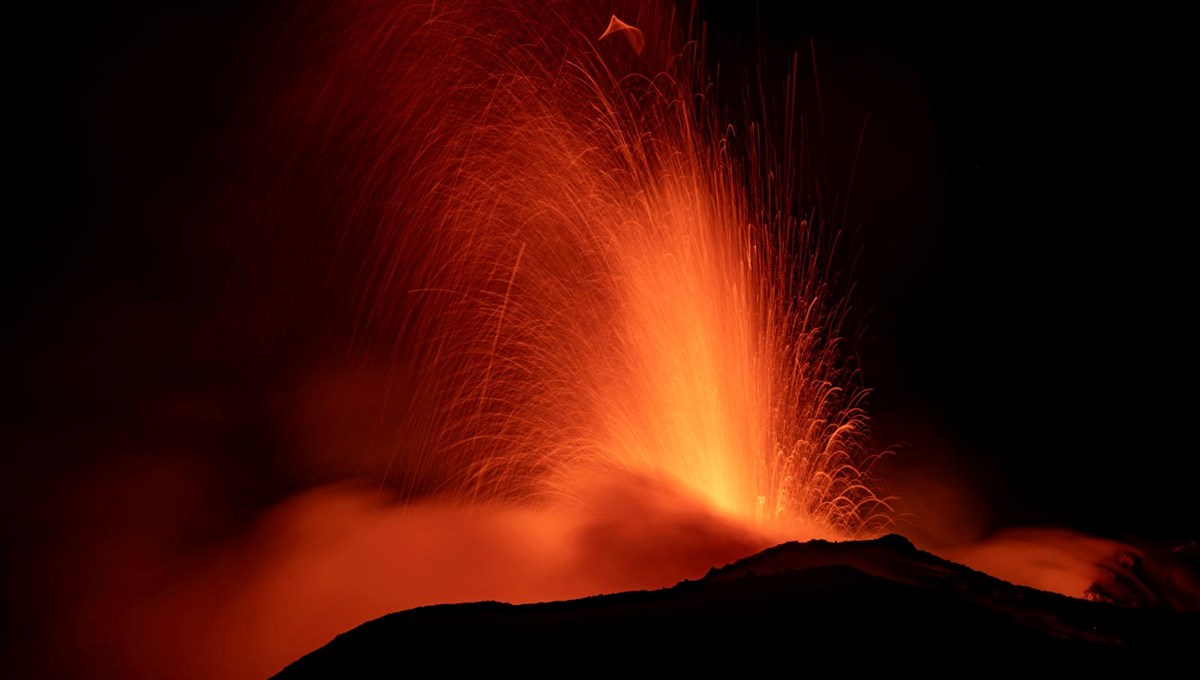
<point x="815" y="605"/>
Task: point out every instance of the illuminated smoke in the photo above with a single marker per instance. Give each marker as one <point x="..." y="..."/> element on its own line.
<point x="602" y="325"/>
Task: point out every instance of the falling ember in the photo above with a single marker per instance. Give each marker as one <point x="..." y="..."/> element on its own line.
<point x="636" y="40"/>
<point x="596" y="276"/>
<point x="420" y="302"/>
<point x="608" y="327"/>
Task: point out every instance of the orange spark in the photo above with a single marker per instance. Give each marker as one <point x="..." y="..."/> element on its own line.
<point x="636" y="40"/>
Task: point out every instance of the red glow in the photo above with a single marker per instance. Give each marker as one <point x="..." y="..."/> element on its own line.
<point x="605" y="350"/>
<point x="594" y="275"/>
<point x="603" y="342"/>
<point x="327" y="560"/>
<point x="1057" y="560"/>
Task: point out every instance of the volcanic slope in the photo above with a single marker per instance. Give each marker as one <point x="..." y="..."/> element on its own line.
<point x="856" y="603"/>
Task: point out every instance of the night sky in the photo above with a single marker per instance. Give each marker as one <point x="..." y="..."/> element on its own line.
<point x="1022" y="196"/>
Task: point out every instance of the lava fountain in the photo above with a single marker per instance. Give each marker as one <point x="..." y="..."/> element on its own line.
<point x="596" y="277"/>
<point x="606" y="321"/>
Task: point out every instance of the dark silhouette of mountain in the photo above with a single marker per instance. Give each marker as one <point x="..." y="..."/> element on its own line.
<point x="814" y="605"/>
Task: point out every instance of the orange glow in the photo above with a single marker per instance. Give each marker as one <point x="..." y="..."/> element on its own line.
<point x="598" y="345"/>
<point x="571" y="327"/>
<point x="598" y="277"/>
<point x="1056" y="560"/>
<point x="330" y="560"/>
<point x="613" y="349"/>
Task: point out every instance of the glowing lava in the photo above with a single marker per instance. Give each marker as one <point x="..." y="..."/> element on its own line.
<point x="604" y="320"/>
<point x="595" y="275"/>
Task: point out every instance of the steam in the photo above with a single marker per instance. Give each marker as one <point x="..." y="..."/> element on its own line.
<point x="332" y="557"/>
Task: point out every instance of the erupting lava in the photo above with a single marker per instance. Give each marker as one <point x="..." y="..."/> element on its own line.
<point x="524" y="315"/>
<point x="498" y="301"/>
<point x="594" y="274"/>
<point x="607" y="323"/>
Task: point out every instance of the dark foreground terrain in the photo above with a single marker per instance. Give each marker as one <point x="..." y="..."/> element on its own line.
<point x="801" y="607"/>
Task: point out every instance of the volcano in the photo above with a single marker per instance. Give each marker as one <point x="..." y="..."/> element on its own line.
<point x="335" y="308"/>
<point x="875" y="599"/>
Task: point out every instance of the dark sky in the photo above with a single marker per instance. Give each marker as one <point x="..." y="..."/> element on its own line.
<point x="1022" y="200"/>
